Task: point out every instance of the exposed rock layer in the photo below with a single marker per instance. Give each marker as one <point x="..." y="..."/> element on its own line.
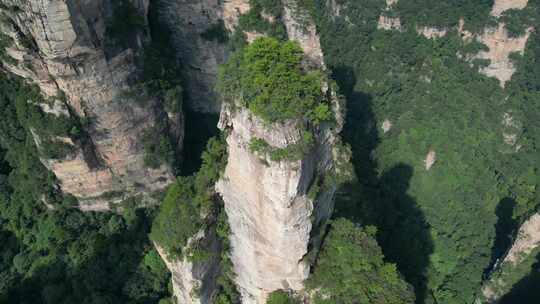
<point x="501" y="45"/>
<point x="62" y="47"/>
<point x="271" y="216"/>
<point x="189" y="20"/>
<point x="194" y="282"/>
<point x="500" y="6"/>
<point x="528" y="239"/>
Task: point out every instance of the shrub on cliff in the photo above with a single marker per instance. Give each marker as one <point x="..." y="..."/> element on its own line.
<point x="351" y="269"/>
<point x="187" y="202"/>
<point x="281" y="297"/>
<point x="268" y="78"/>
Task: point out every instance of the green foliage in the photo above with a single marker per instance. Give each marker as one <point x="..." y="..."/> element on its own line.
<point x="64" y="256"/>
<point x="188" y="201"/>
<point x="178" y="218"/>
<point x="161" y="74"/>
<point x="518" y="20"/>
<point x="227" y="292"/>
<point x="445" y="13"/>
<point x="267" y="77"/>
<point x="5" y="42"/>
<point x="510" y="274"/>
<point x="256" y="19"/>
<point x="158" y="149"/>
<point x="350" y="269"/>
<point x="292" y="152"/>
<point x="435" y="101"/>
<point x="281" y="297"/>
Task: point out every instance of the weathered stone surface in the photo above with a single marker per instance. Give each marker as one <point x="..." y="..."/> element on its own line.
<point x="301" y="29"/>
<point x="431" y="32"/>
<point x="62" y="47"/>
<point x="501" y="45"/>
<point x="528" y="239"/>
<point x="389" y="23"/>
<point x="188" y="20"/>
<point x="273" y="221"/>
<point x="269" y="212"/>
<point x="195" y="282"/>
<point x="500" y="6"/>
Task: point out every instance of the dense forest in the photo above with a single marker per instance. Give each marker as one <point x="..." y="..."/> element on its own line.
<point x="444" y="227"/>
<point x="402" y="231"/>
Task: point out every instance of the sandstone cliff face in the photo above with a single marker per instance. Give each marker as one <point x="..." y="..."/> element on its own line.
<point x="194" y="282"/>
<point x="189" y="20"/>
<point x="500" y="6"/>
<point x="499" y="42"/>
<point x="270" y="214"/>
<point x="62" y="47"/>
<point x="273" y="220"/>
<point x="527" y="240"/>
<point x="501" y="45"/>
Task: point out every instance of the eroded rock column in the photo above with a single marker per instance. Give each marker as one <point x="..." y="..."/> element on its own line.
<point x="65" y="48"/>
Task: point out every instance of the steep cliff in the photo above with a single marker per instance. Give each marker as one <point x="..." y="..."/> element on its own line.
<point x="277" y="201"/>
<point x="194" y="281"/>
<point x="517" y="262"/>
<point x="199" y="35"/>
<point x="83" y="56"/>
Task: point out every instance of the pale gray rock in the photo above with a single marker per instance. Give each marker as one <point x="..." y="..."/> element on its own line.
<point x="195" y="282"/>
<point x="274" y="222"/>
<point x="201" y="57"/>
<point x="62" y="47"/>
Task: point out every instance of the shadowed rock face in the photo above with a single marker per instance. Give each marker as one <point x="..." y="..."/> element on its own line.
<point x="195" y="282"/>
<point x="527" y="240"/>
<point x="62" y="47"/>
<point x="188" y="21"/>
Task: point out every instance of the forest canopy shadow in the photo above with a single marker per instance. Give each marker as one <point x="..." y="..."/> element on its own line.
<point x="382" y="201"/>
<point x="526" y="290"/>
<point x="506" y="230"/>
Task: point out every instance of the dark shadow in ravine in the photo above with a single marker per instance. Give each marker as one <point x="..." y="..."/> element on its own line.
<point x="199" y="128"/>
<point x="505" y="232"/>
<point x="525" y="291"/>
<point x="382" y="200"/>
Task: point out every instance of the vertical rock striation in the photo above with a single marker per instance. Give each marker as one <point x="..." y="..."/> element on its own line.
<point x="64" y="47"/>
<point x="274" y="213"/>
<point x="194" y="282"/>
<point x="190" y="22"/>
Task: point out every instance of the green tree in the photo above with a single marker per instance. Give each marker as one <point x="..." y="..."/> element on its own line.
<point x="351" y="269"/>
<point x="281" y="297"/>
<point x="268" y="77"/>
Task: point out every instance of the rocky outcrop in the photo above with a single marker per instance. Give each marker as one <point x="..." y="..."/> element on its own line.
<point x="387" y="22"/>
<point x="64" y="48"/>
<point x="301" y="30"/>
<point x="274" y="213"/>
<point x="194" y="281"/>
<point x="501" y="45"/>
<point x="527" y="241"/>
<point x="201" y="55"/>
<point x="500" y="6"/>
<point x="270" y="212"/>
<point x="431" y="32"/>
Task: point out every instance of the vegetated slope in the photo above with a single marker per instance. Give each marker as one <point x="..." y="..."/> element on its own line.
<point x="454" y="144"/>
<point x="64" y="255"/>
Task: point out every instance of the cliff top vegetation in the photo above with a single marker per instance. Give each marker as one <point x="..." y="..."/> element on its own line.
<point x="268" y="78"/>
